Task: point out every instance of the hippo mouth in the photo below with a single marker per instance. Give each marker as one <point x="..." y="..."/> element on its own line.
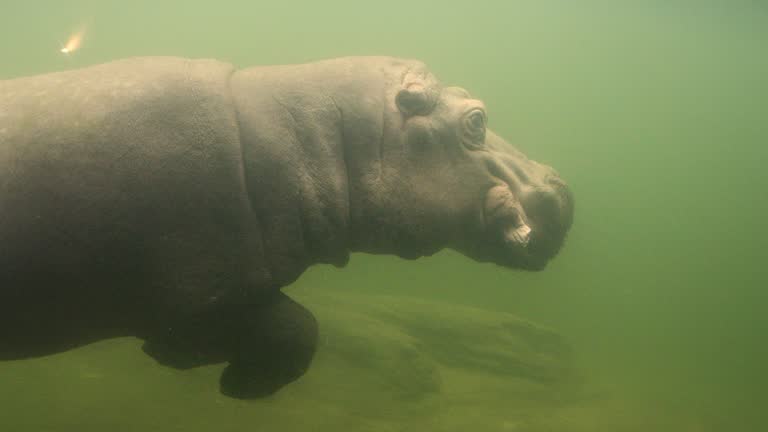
<point x="524" y="230"/>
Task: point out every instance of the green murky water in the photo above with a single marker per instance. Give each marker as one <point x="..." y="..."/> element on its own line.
<point x="655" y="112"/>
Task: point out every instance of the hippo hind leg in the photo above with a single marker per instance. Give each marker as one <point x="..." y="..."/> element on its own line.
<point x="275" y="347"/>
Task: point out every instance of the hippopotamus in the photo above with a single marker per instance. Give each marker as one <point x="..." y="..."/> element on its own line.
<point x="172" y="199"/>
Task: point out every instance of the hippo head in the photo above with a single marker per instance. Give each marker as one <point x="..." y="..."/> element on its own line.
<point x="446" y="180"/>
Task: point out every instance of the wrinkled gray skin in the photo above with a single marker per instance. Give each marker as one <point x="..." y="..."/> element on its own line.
<point x="171" y="199"/>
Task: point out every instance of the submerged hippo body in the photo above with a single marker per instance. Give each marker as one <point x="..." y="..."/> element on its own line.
<point x="171" y="199"/>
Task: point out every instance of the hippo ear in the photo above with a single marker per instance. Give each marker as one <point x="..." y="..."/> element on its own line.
<point x="415" y="99"/>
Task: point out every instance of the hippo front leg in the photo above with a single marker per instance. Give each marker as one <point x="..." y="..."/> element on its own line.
<point x="275" y="347"/>
<point x="267" y="345"/>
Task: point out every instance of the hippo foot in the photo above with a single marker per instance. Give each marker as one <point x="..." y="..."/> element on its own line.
<point x="167" y="355"/>
<point x="191" y="342"/>
<point x="276" y="349"/>
<point x="249" y="382"/>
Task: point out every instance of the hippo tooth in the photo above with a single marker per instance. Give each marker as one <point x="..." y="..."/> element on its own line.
<point x="519" y="235"/>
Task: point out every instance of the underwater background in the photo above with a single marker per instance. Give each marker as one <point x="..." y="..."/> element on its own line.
<point x="655" y="113"/>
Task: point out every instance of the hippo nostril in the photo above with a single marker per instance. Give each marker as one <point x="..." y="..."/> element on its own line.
<point x="544" y="207"/>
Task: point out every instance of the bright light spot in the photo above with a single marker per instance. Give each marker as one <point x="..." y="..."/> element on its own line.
<point x="73" y="43"/>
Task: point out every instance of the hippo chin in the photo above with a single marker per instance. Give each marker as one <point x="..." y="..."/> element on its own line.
<point x="172" y="199"/>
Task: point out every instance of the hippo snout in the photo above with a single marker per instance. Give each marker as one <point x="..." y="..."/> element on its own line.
<point x="549" y="210"/>
<point x="528" y="211"/>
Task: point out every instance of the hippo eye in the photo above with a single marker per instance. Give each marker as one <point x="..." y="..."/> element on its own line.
<point x="476" y="119"/>
<point x="474" y="128"/>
